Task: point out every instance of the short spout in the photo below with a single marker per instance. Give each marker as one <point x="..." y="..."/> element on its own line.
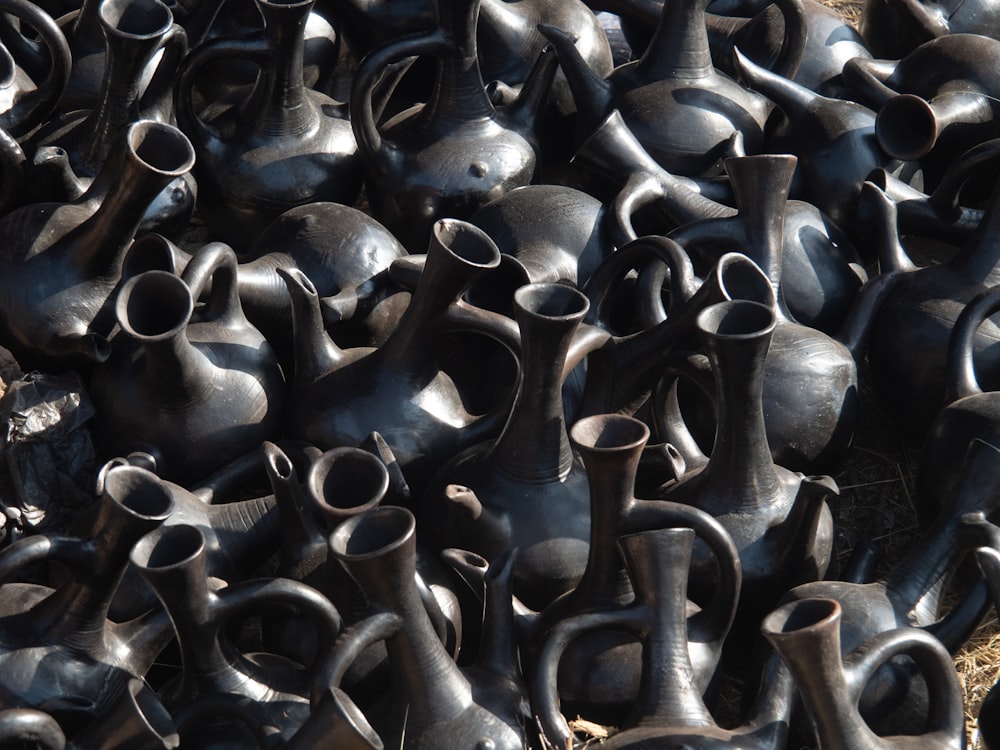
<point x="315" y="352"/>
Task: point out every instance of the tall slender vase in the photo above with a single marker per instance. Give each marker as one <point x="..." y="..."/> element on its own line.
<point x="599" y="673"/>
<point x="135" y="32"/>
<point x="779" y="519"/>
<point x="172" y="561"/>
<point x="58" y="649"/>
<point x="436" y="705"/>
<point x="811" y="392"/>
<point x="526" y="489"/>
<point x="275" y="146"/>
<point x="807" y="635"/>
<point x="670" y="711"/>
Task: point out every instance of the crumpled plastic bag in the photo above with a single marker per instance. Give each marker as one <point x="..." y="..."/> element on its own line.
<point x="49" y="453"/>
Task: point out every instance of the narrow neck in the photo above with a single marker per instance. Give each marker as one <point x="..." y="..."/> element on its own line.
<point x="281" y="103"/>
<point x="459" y="93"/>
<point x="434" y="687"/>
<point x="679" y="47"/>
<point x="128" y="55"/>
<point x="534" y="446"/>
<point x="658" y="562"/>
<point x="761" y="186"/>
<point x="181" y="584"/>
<point x="76" y="614"/>
<point x="741" y="457"/>
<point x="611" y="477"/>
<point x="125" y="185"/>
<point x="456" y="253"/>
<point x="813" y="654"/>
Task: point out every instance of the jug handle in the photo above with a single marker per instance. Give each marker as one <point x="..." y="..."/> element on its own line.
<point x="945" y="714"/>
<point x="34" y="549"/>
<point x="156" y="102"/>
<point x="945" y="197"/>
<point x="716" y="617"/>
<point x="349" y="646"/>
<point x="29" y="725"/>
<point x="962" y="380"/>
<point x="637" y="254"/>
<point x="640" y="190"/>
<point x="545" y="684"/>
<point x="366" y="79"/>
<point x="222" y="48"/>
<point x="668" y="421"/>
<point x="240" y="598"/>
<point x="214" y="268"/>
<point x="36" y="106"/>
<point x="793" y="43"/>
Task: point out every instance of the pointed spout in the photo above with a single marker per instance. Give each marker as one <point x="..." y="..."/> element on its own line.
<point x="791" y="97"/>
<point x="315" y="352"/>
<point x="527" y="107"/>
<point x="591" y="92"/>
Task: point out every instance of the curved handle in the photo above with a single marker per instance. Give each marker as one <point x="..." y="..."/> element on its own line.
<point x="711" y="623"/>
<point x="545" y="685"/>
<point x="668" y="421"/>
<point x="156" y="102"/>
<point x="34" y="108"/>
<point x="962" y="379"/>
<point x="214" y="267"/>
<point x="945" y="197"/>
<point x="793" y="42"/>
<point x="31" y="725"/>
<point x="350" y="645"/>
<point x="222" y="48"/>
<point x="640" y="190"/>
<point x="239" y="598"/>
<point x="366" y="77"/>
<point x="945" y="713"/>
<point x="464" y="316"/>
<point x="34" y="549"/>
<point x="638" y="254"/>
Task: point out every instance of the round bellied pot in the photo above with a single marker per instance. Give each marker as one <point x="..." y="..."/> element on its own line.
<point x="452" y="154"/>
<point x="166" y="388"/>
<point x="62" y="261"/>
<point x="277" y="145"/>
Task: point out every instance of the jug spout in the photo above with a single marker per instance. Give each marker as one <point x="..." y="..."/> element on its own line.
<point x="591" y="92"/>
<point x="315" y="352"/>
<point x="526" y="109"/>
